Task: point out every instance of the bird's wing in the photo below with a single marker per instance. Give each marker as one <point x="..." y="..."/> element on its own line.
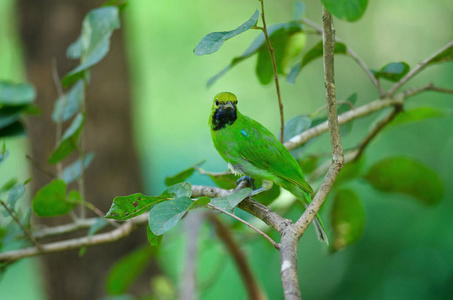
<point x="260" y="147"/>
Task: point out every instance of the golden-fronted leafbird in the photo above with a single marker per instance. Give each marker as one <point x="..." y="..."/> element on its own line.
<point x="252" y="150"/>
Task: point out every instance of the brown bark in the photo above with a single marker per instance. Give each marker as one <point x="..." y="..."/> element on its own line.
<point x="48" y="27"/>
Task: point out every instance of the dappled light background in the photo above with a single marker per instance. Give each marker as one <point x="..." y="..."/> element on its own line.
<point x="405" y="251"/>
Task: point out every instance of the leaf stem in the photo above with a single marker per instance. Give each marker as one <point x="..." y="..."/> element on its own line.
<point x="274" y="67"/>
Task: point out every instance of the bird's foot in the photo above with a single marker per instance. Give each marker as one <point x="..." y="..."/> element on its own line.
<point x="248" y="179"/>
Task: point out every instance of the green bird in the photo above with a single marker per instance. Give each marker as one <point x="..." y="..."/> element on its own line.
<point x="252" y="150"/>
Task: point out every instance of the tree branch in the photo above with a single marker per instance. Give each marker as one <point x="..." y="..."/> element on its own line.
<point x="274" y="67"/>
<point x="124" y="230"/>
<point x="247" y="276"/>
<point x="417" y="69"/>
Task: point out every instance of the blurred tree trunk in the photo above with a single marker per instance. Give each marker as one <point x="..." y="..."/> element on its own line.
<point x="48" y="27"/>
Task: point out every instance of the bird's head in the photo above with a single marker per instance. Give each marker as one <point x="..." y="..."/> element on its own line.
<point x="223" y="111"/>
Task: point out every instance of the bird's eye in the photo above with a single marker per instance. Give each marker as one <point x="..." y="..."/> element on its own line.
<point x="216" y="102"/>
<point x="236" y="102"/>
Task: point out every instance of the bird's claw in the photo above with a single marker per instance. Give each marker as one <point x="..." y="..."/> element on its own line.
<point x="248" y="179"/>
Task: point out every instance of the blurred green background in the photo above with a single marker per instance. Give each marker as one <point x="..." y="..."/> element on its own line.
<point x="406" y="248"/>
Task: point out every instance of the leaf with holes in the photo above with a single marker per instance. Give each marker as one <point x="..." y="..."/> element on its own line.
<point x="214" y="40"/>
<point x="407" y="176"/>
<point x="348" y="219"/>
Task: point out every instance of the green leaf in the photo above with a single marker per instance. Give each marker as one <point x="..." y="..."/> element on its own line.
<point x="392" y="71"/>
<point x="154" y="240"/>
<point x="342" y="108"/>
<point x="16" y="94"/>
<point x="11" y="114"/>
<point x="267" y="197"/>
<point x="182" y="176"/>
<point x="126" y="270"/>
<point x="349" y="10"/>
<point x="282" y="30"/>
<point x="231" y="201"/>
<point x="97" y="225"/>
<point x="446" y="55"/>
<point x="15" y="129"/>
<point x="51" y="200"/>
<point x="3" y="156"/>
<point x="8" y="185"/>
<point x="308" y="163"/>
<point x="74" y="197"/>
<point x="214" y="40"/>
<point x="15" y="194"/>
<point x="69" y="140"/>
<point x="407" y="176"/>
<point x="417" y="114"/>
<point x="74" y="170"/>
<point x="296" y="126"/>
<point x="69" y="104"/>
<point x="97" y="29"/>
<point x="178" y="190"/>
<point x="227" y="181"/>
<point x="348" y="219"/>
<point x="75" y="49"/>
<point x="166" y="215"/>
<point x="312" y="54"/>
<point x="127" y="207"/>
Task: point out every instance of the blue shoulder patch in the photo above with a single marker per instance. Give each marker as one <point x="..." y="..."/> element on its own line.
<point x="243" y="132"/>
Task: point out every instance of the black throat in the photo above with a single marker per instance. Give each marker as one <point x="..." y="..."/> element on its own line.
<point x="223" y="117"/>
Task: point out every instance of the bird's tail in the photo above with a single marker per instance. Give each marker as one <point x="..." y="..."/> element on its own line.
<point x="320" y="230"/>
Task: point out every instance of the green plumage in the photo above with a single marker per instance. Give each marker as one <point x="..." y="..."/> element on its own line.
<point x="250" y="149"/>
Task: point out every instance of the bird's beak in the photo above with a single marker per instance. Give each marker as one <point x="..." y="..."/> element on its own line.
<point x="229" y="104"/>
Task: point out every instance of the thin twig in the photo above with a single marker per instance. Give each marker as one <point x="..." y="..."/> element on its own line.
<point x="247" y="276"/>
<point x="379" y="126"/>
<point x="274" y="67"/>
<point x="97" y="211"/>
<point x="276" y="245"/>
<point x="214" y="174"/>
<point x="417" y="69"/>
<point x="38" y="165"/>
<point x="428" y="87"/>
<point x="24" y="229"/>
<point x="64" y="229"/>
<point x="352" y="54"/>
